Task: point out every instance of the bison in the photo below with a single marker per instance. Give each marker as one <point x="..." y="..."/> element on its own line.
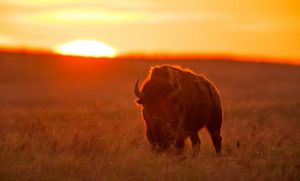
<point x="176" y="103"/>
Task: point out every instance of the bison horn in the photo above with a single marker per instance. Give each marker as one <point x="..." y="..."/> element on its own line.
<point x="137" y="91"/>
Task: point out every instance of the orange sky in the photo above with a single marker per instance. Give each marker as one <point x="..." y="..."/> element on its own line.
<point x="246" y="27"/>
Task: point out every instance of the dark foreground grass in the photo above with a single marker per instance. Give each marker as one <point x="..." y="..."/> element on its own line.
<point x="76" y="120"/>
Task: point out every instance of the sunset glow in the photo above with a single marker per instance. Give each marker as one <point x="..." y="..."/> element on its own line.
<point x="251" y="28"/>
<point x="88" y="48"/>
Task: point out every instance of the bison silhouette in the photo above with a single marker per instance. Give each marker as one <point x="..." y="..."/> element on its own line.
<point x="176" y="103"/>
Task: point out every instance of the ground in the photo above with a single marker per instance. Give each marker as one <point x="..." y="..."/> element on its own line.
<point x="65" y="118"/>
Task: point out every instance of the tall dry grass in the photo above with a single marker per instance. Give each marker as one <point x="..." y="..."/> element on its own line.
<point x="76" y="120"/>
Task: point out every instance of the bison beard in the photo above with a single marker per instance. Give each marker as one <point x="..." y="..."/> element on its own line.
<point x="176" y="104"/>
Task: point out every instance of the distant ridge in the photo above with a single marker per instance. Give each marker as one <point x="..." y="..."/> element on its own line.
<point x="160" y="56"/>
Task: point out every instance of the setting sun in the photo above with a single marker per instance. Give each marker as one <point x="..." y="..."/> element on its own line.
<point x="88" y="48"/>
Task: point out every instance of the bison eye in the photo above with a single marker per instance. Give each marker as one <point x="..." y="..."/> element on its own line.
<point x="140" y="101"/>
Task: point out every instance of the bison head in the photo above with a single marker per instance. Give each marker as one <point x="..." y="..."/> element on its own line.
<point x="158" y="99"/>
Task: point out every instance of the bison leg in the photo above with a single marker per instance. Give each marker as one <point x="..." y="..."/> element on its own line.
<point x="179" y="145"/>
<point x="217" y="141"/>
<point x="214" y="127"/>
<point x="216" y="137"/>
<point x="195" y="143"/>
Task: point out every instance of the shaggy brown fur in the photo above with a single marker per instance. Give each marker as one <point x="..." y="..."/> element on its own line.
<point x="176" y="104"/>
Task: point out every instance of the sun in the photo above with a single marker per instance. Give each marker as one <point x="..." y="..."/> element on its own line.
<point x="87" y="48"/>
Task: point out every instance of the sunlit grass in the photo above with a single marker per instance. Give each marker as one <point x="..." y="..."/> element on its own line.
<point x="83" y="124"/>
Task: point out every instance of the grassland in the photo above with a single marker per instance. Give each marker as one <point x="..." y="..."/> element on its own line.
<point x="64" y="118"/>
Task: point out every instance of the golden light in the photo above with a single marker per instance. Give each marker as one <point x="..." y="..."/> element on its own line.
<point x="87" y="48"/>
<point x="86" y="16"/>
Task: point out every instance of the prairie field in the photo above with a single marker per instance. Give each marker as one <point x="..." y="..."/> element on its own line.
<point x="68" y="118"/>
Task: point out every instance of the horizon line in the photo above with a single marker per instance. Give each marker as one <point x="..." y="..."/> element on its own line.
<point x="163" y="56"/>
